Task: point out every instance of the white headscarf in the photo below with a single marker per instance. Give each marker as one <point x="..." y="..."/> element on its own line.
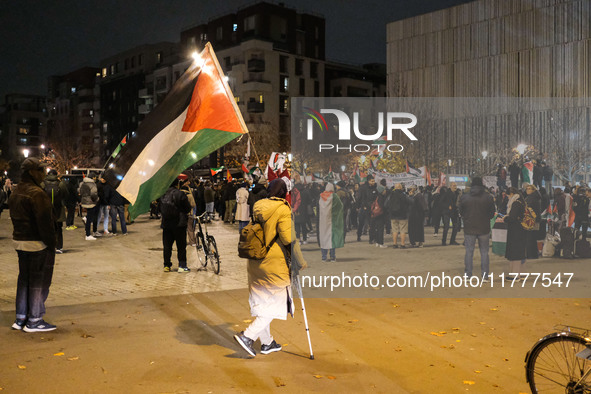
<point x="511" y="201"/>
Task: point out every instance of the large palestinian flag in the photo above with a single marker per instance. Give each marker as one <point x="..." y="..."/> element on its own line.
<point x="198" y="116"/>
<point x="331" y="225"/>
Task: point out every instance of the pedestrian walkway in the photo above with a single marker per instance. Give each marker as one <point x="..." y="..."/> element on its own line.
<point x="123" y="267"/>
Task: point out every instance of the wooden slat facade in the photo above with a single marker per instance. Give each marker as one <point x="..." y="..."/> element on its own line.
<point x="496" y="48"/>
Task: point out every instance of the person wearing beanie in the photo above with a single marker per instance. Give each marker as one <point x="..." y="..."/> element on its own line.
<point x="477" y="208"/>
<point x="35" y="241"/>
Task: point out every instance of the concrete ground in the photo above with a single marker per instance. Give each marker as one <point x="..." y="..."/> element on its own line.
<point x="125" y="326"/>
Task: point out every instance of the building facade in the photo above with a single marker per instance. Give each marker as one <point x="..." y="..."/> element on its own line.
<point x="496" y="48"/>
<point x="23" y="129"/>
<point x="73" y="124"/>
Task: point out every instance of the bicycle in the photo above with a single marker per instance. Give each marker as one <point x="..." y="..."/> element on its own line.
<point x="560" y="362"/>
<point x="206" y="245"/>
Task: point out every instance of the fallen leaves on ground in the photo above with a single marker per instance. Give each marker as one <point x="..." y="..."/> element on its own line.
<point x="278" y="381"/>
<point x="469" y="382"/>
<point x="330" y="377"/>
<point x="247" y="321"/>
<point x="59" y="354"/>
<point x="86" y="336"/>
<point x="318" y="376"/>
<point x="22" y="367"/>
<point x="353" y="321"/>
<point x="438" y="334"/>
<point x="73" y="358"/>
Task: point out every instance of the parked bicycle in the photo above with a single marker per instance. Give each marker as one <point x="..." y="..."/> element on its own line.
<point x="207" y="250"/>
<point x="560" y="362"/>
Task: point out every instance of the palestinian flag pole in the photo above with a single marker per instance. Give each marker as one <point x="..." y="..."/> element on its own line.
<point x="198" y="116"/>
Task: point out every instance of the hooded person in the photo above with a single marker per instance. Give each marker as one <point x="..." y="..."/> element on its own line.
<point x="331" y="232"/>
<point x="269" y="279"/>
<point x="35" y="241"/>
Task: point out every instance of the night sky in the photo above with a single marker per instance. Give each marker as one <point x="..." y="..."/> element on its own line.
<point x="43" y="38"/>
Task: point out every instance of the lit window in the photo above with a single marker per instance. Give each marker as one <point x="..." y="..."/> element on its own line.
<point x="261" y="98"/>
<point x="73" y="90"/>
<point x="235" y="27"/>
<point x="104" y="72"/>
<point x="284" y="84"/>
<point x="237" y="99"/>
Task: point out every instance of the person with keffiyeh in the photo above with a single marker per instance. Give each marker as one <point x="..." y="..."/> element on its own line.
<point x="516" y="234"/>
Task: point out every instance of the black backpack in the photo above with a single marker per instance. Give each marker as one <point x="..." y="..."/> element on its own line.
<point x="168" y="208"/>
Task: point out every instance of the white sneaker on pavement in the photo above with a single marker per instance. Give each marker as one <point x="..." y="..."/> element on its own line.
<point x="90" y="238"/>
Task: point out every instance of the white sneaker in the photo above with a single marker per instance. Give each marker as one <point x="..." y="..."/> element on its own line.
<point x="84" y="219"/>
<point x="90" y="238"/>
<point x="97" y="234"/>
<point x="435" y="235"/>
<point x="383" y="246"/>
<point x="106" y="232"/>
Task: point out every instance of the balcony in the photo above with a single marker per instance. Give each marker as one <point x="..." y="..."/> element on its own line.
<point x="256" y="84"/>
<point x="144" y="93"/>
<point x="256" y="65"/>
<point x="144" y="109"/>
<point x="255" y="107"/>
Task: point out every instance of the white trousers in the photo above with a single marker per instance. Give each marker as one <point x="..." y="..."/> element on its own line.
<point x="260" y="328"/>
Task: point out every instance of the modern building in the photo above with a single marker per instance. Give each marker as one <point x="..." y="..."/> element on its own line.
<point x="23" y="129"/>
<point x="73" y="124"/>
<point x="270" y="53"/>
<point x="126" y="91"/>
<point x="497" y="48"/>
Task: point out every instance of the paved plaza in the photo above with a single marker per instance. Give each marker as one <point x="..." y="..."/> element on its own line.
<point x="125" y="326"/>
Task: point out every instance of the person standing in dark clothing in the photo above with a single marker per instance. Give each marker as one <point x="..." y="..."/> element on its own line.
<point x="446" y="204"/>
<point x="533" y="200"/>
<point x="548" y="173"/>
<point x="367" y="195"/>
<point x="581" y="209"/>
<point x="57" y="193"/>
<point x="416" y="218"/>
<point x="477" y="208"/>
<point x="70" y="202"/>
<point x="175" y="208"/>
<point x="501" y="177"/>
<point x="514" y="173"/>
<point x="35" y="242"/>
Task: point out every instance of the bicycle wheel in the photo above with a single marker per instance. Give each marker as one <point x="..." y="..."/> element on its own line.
<point x="212" y="254"/>
<point x="554" y="367"/>
<point x="201" y="254"/>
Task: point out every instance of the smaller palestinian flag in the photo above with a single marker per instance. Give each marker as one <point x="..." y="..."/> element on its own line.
<point x="412" y="170"/>
<point x="215" y="171"/>
<point x="527" y="172"/>
<point x="118" y="149"/>
<point x="331" y="224"/>
<point x="499" y="237"/>
<point x="229" y="176"/>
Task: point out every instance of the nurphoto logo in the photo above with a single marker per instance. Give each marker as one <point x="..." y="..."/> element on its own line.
<point x="390" y="119"/>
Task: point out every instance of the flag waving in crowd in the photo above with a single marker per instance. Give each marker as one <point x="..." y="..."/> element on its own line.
<point x="198" y="116"/>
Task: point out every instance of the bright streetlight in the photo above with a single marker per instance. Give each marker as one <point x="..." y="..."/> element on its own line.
<point x="42" y="146"/>
<point x="521" y="148"/>
<point x="343" y="168"/>
<point x="26" y="153"/>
